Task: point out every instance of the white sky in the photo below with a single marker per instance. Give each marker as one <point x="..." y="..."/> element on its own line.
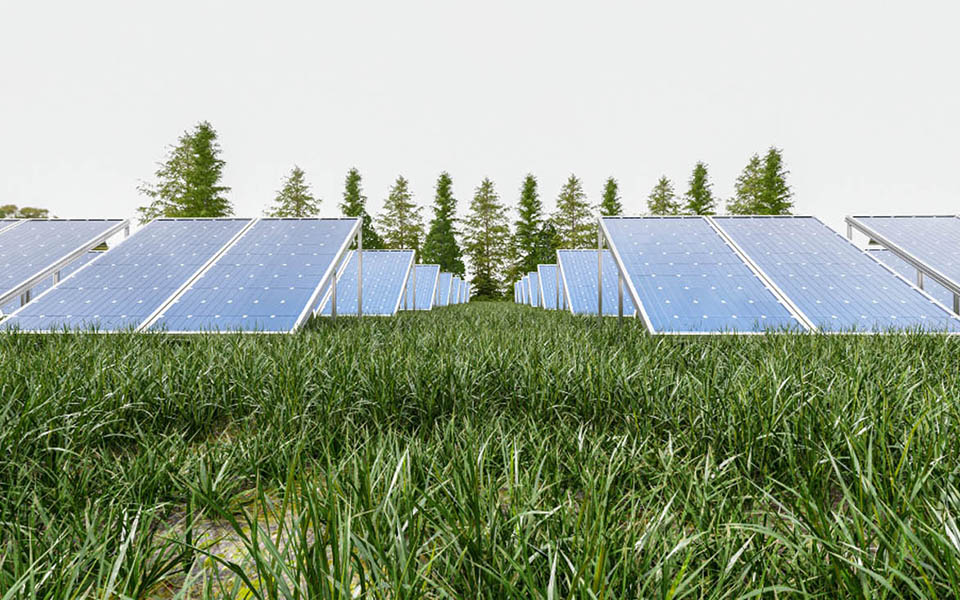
<point x="864" y="97"/>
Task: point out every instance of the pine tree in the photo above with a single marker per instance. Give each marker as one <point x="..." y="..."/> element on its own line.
<point x="746" y="191"/>
<point x="662" y="199"/>
<point x="572" y="219"/>
<point x="699" y="198"/>
<point x="400" y="221"/>
<point x="188" y="181"/>
<point x="487" y="241"/>
<point x="527" y="230"/>
<point x="294" y="200"/>
<point x="776" y="195"/>
<point x="610" y="205"/>
<point x="354" y="204"/>
<point x="441" y="245"/>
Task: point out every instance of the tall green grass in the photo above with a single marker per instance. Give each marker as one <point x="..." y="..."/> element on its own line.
<point x="486" y="450"/>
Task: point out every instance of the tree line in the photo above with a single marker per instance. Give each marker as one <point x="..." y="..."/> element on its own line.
<point x="188" y="184"/>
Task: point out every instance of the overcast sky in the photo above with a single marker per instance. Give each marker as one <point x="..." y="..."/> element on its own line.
<point x="863" y="98"/>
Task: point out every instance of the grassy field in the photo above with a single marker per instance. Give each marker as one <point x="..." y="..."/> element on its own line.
<point x="486" y="450"/>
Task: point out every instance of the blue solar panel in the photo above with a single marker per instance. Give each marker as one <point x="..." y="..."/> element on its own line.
<point x="47" y="283"/>
<point x="931" y="287"/>
<point x="547" y="274"/>
<point x="533" y="288"/>
<point x="455" y="290"/>
<point x="124" y="286"/>
<point x="426" y="276"/>
<point x="268" y="280"/>
<point x="688" y="280"/>
<point x="578" y="272"/>
<point x="7" y="223"/>
<point x="444" y="284"/>
<point x="384" y="274"/>
<point x="467" y="288"/>
<point x="35" y="247"/>
<point x="931" y="240"/>
<point x="835" y="284"/>
<point x="524" y="290"/>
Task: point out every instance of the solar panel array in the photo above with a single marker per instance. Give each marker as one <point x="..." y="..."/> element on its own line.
<point x="444" y="285"/>
<point x="533" y="288"/>
<point x="268" y="280"/>
<point x="385" y="274"/>
<point x="33" y="249"/>
<point x="424" y="279"/>
<point x="907" y="271"/>
<point x="578" y="280"/>
<point x="835" y="285"/>
<point x="686" y="279"/>
<point x="548" y="291"/>
<point x="47" y="282"/>
<point x="455" y="290"/>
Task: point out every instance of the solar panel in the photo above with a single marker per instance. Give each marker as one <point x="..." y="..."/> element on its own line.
<point x="686" y="279"/>
<point x="123" y="287"/>
<point x="47" y="282"/>
<point x="467" y="290"/>
<point x="834" y="284"/>
<point x="533" y="289"/>
<point x="385" y="273"/>
<point x="455" y="290"/>
<point x="444" y="284"/>
<point x="907" y="271"/>
<point x="578" y="282"/>
<point x="34" y="249"/>
<point x="931" y="243"/>
<point x="268" y="280"/>
<point x="7" y="223"/>
<point x="426" y="284"/>
<point x="549" y="292"/>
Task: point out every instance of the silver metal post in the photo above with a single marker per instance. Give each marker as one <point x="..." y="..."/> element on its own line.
<point x="919" y="279"/>
<point x="849" y="232"/>
<point x="556" y="277"/>
<point x="599" y="271"/>
<point x="333" y="296"/>
<point x="56" y="277"/>
<point x="24" y="297"/>
<point x="414" y="284"/>
<point x="956" y="303"/>
<point x="619" y="297"/>
<point x="360" y="270"/>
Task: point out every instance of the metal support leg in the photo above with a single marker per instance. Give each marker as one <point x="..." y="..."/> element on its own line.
<point x="599" y="271"/>
<point x="414" y="286"/>
<point x="619" y="297"/>
<point x="956" y="303"/>
<point x="56" y="277"/>
<point x="849" y="232"/>
<point x="360" y="271"/>
<point x="919" y="279"/>
<point x="24" y="297"/>
<point x="333" y="296"/>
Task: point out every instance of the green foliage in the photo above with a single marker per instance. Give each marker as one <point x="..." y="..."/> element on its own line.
<point x="662" y="199"/>
<point x="762" y="188"/>
<point x="575" y="225"/>
<point x="479" y="451"/>
<point x="400" y="222"/>
<point x="12" y="211"/>
<point x="610" y="205"/>
<point x="699" y="199"/>
<point x="533" y="238"/>
<point x="188" y="181"/>
<point x="354" y="204"/>
<point x="487" y="241"/>
<point x="294" y="199"/>
<point x="441" y="245"/>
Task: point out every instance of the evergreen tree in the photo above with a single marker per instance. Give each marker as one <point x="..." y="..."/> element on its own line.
<point x="662" y="199"/>
<point x="487" y="241"/>
<point x="572" y="219"/>
<point x="776" y="195"/>
<point x="699" y="198"/>
<point x="354" y="204"/>
<point x="441" y="245"/>
<point x="400" y="221"/>
<point x="188" y="181"/>
<point x="294" y="199"/>
<point x="527" y="230"/>
<point x="610" y="205"/>
<point x="746" y="191"/>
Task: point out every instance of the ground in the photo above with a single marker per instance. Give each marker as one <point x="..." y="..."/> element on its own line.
<point x="484" y="450"/>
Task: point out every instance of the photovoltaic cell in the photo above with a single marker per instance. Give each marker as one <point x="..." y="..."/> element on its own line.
<point x="444" y="284"/>
<point x="547" y="274"/>
<point x="455" y="290"/>
<point x="533" y="288"/>
<point x="384" y="274"/>
<point x="426" y="276"/>
<point x="47" y="283"/>
<point x="907" y="271"/>
<point x="833" y="283"/>
<point x="934" y="241"/>
<point x="578" y="273"/>
<point x="687" y="279"/>
<point x="268" y="280"/>
<point x="125" y="285"/>
<point x="36" y="246"/>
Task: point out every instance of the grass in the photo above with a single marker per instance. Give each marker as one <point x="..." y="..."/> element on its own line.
<point x="484" y="451"/>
